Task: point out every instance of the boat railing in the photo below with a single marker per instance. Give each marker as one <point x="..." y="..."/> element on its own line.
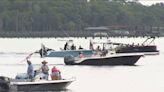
<point x="149" y="41"/>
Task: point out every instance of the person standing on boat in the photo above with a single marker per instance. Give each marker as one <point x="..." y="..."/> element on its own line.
<point x="73" y="47"/>
<point x="91" y="45"/>
<point x="55" y="74"/>
<point x="30" y="70"/>
<point x="80" y="48"/>
<point x="45" y="69"/>
<point x="43" y="51"/>
<point x="66" y="46"/>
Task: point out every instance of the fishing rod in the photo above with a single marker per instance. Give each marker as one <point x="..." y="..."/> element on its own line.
<point x="27" y="57"/>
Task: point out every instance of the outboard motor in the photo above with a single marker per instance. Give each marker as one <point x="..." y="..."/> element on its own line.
<point x="42" y="53"/>
<point x="69" y="59"/>
<point x="4" y="84"/>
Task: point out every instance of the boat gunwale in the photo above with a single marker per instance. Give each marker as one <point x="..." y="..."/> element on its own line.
<point x="79" y="60"/>
<point x="43" y="82"/>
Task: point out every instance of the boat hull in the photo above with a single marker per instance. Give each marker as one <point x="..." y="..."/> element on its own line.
<point x="112" y="60"/>
<point x="14" y="85"/>
<point x="51" y="86"/>
<point x="147" y="50"/>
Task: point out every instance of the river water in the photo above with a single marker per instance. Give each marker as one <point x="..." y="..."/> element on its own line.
<point x="146" y="76"/>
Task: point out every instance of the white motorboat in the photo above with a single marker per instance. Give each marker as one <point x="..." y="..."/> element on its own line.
<point x="7" y="84"/>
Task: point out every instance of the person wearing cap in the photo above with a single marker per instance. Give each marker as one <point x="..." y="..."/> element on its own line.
<point x="45" y="69"/>
<point x="55" y="74"/>
<point x="30" y="70"/>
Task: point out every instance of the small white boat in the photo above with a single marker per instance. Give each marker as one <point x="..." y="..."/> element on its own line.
<point x="47" y="52"/>
<point x="7" y="84"/>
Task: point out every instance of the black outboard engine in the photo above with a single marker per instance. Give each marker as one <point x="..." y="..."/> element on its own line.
<point x="68" y="60"/>
<point x="4" y="84"/>
<point x="42" y="52"/>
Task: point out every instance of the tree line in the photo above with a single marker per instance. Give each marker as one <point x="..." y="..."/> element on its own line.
<point x="75" y="15"/>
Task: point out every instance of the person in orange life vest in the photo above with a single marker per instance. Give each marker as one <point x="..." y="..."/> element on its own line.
<point x="81" y="55"/>
<point x="55" y="74"/>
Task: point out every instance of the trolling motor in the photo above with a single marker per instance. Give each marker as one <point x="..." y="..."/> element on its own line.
<point x="4" y="84"/>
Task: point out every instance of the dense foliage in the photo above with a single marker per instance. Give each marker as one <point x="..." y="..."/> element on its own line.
<point x="71" y="15"/>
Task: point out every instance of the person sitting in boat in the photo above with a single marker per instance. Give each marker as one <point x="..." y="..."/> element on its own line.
<point x="98" y="48"/>
<point x="66" y="46"/>
<point x="55" y="74"/>
<point x="30" y="70"/>
<point x="81" y="55"/>
<point x="80" y="47"/>
<point x="45" y="69"/>
<point x="73" y="47"/>
<point x="104" y="51"/>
